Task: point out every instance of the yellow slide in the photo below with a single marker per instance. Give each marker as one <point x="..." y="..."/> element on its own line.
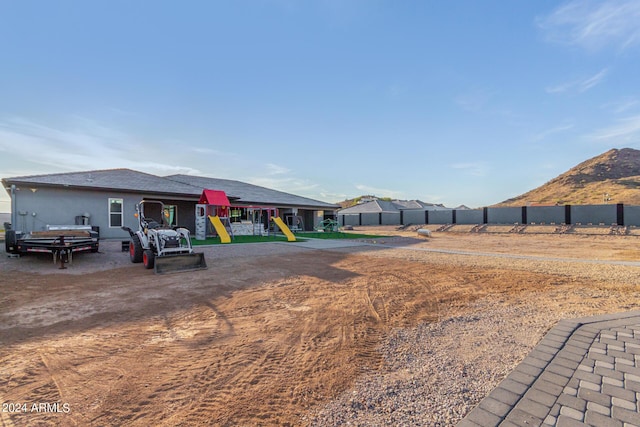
<point x="220" y="229"/>
<point x="283" y="227"/>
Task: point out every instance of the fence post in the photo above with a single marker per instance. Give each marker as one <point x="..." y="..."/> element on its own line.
<point x="567" y="214"/>
<point x="485" y="215"/>
<point x="453" y="217"/>
<point x="426" y="217"/>
<point x="620" y="214"/>
<point x="524" y="215"/>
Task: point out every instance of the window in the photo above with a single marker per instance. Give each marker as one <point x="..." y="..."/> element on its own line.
<point x="171" y="214"/>
<point x="115" y="212"/>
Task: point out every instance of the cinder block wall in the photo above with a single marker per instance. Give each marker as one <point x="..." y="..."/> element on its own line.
<point x="546" y="214"/>
<point x="474" y="216"/>
<point x="583" y="214"/>
<point x="414" y="217"/>
<point x="504" y="215"/>
<point x="594" y="214"/>
<point x="440" y="217"/>
<point x="370" y="219"/>
<point x="632" y="215"/>
<point x="390" y="218"/>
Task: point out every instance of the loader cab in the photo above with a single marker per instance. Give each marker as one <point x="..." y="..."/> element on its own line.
<point x="152" y="214"/>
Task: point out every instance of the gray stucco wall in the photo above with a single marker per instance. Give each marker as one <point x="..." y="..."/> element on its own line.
<point x="54" y="206"/>
<point x="504" y="215"/>
<point x="594" y="214"/>
<point x="546" y="214"/>
<point x="473" y="216"/>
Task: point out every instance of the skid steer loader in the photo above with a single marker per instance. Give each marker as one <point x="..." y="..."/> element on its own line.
<point x="161" y="247"/>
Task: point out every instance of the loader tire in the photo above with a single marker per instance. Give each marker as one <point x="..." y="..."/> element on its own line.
<point x="135" y="249"/>
<point x="148" y="259"/>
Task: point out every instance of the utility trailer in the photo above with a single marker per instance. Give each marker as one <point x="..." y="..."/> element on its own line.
<point x="62" y="241"/>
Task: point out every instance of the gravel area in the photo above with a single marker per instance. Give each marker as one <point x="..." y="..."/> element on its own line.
<point x="436" y="373"/>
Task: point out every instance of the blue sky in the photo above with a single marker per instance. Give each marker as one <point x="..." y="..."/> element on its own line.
<point x="463" y="102"/>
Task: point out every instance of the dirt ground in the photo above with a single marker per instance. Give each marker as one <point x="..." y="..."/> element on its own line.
<point x="269" y="333"/>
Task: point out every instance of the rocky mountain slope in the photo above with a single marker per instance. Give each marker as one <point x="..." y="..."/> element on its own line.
<point x="612" y="177"/>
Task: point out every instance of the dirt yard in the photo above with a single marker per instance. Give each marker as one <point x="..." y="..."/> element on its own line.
<point x="272" y="334"/>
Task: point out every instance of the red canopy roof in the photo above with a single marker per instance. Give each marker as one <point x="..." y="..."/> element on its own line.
<point x="214" y="197"/>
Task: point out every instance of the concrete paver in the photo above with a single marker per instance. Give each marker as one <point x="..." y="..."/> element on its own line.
<point x="584" y="372"/>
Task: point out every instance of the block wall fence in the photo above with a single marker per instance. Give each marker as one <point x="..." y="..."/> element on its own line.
<point x="618" y="214"/>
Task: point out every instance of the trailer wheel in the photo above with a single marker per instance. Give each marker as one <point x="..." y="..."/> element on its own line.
<point x="135" y="249"/>
<point x="148" y="258"/>
<point x="10" y="241"/>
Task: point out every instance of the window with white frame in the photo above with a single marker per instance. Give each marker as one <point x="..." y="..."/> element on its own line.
<point x="115" y="212"/>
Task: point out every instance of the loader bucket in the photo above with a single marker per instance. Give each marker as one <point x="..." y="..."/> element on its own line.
<point x="178" y="263"/>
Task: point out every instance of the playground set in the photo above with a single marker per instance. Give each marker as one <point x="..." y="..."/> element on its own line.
<point x="214" y="214"/>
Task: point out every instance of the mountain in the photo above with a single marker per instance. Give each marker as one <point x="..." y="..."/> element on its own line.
<point x="611" y="177"/>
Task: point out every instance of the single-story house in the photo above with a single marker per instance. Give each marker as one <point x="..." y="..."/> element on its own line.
<point x="106" y="200"/>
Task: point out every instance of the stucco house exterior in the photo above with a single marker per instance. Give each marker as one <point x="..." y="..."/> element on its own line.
<point x="106" y="199"/>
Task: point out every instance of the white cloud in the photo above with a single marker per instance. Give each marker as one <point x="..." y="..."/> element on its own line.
<point x="273" y="169"/>
<point x="85" y="145"/>
<point x="472" y="168"/>
<point x="625" y="130"/>
<point x="473" y="101"/>
<point x="380" y="192"/>
<point x="554" y="130"/>
<point x="203" y="150"/>
<point x="579" y="85"/>
<point x="332" y="197"/>
<point x="621" y="105"/>
<point x="594" y="25"/>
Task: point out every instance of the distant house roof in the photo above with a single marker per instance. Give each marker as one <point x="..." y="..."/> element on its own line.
<point x="377" y="206"/>
<point x="374" y="206"/>
<point x="175" y="185"/>
<point x="251" y="194"/>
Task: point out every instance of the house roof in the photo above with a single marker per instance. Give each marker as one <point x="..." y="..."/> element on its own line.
<point x="110" y="179"/>
<point x="174" y="185"/>
<point x="374" y="206"/>
<point x="251" y="194"/>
